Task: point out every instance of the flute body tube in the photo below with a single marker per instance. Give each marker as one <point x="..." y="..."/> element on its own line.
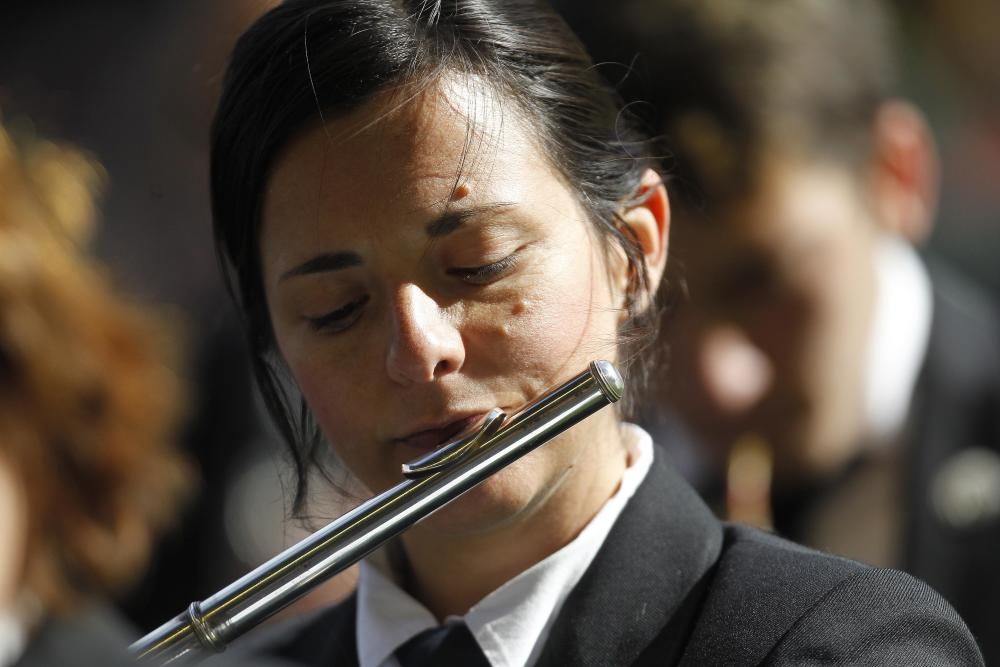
<point x="432" y="482"/>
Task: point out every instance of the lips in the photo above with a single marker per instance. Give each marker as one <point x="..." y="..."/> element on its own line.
<point x="433" y="438"/>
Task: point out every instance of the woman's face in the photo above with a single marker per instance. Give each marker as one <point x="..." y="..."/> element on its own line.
<point x="421" y="269"/>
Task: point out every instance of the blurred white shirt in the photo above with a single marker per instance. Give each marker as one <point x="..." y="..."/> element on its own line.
<point x="901" y="328"/>
<point x="13" y="637"/>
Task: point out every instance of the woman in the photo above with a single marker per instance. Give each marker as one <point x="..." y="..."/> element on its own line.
<point x="430" y="209"/>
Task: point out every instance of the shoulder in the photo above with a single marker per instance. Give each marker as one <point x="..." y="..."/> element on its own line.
<point x="774" y="601"/>
<point x="880" y="616"/>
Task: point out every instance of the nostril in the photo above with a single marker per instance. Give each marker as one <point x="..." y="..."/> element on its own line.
<point x="443" y="367"/>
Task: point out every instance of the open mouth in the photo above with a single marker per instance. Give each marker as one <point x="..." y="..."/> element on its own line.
<point x="436" y="437"/>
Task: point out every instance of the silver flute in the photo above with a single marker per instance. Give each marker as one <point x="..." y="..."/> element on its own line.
<point x="430" y="482"/>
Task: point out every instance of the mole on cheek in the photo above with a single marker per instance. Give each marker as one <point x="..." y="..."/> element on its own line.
<point x="508" y="327"/>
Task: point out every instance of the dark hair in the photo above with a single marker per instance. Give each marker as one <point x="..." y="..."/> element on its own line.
<point x="729" y="83"/>
<point x="310" y="60"/>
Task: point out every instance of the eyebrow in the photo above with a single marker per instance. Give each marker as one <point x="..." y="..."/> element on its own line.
<point x="443" y="225"/>
<point x="329" y="261"/>
<point x="449" y="221"/>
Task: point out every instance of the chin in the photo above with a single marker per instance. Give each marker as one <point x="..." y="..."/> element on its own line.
<point x="499" y="502"/>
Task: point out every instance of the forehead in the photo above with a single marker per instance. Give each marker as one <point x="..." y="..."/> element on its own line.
<point x="794" y="204"/>
<point x="408" y="149"/>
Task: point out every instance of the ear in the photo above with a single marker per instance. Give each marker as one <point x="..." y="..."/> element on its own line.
<point x="904" y="171"/>
<point x="649" y="221"/>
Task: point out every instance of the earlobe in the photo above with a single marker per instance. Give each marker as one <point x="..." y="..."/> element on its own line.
<point x="649" y="223"/>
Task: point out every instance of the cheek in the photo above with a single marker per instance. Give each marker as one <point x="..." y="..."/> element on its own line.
<point x="560" y="325"/>
<point x="836" y="283"/>
<point x="827" y="323"/>
<point x="334" y="392"/>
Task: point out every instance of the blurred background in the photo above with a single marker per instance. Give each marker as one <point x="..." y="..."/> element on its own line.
<point x="134" y="83"/>
<point x="951" y="69"/>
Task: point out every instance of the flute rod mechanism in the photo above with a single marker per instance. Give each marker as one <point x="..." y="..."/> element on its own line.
<point x="431" y="482"/>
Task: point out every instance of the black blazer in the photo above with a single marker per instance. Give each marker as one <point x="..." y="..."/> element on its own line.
<point x="674" y="586"/>
<point x="955" y="415"/>
<point x="951" y="501"/>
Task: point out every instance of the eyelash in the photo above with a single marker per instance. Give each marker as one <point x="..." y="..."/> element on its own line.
<point x="486" y="274"/>
<point x="339" y="319"/>
<point x="343" y="317"/>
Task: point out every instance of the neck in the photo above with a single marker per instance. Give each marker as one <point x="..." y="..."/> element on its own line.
<point x="449" y="573"/>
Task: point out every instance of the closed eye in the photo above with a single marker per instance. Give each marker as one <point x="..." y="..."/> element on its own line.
<point x="339" y="319"/>
<point x="486" y="274"/>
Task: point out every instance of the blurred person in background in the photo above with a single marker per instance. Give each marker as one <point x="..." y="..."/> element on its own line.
<point x="135" y="84"/>
<point x="828" y="380"/>
<point x="88" y="407"/>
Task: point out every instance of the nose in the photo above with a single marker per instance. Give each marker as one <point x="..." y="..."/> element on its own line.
<point x="424" y="345"/>
<point x="735" y="373"/>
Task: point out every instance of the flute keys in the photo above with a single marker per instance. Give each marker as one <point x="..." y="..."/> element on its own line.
<point x="453" y="451"/>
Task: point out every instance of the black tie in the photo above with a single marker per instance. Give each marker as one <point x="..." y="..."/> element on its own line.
<point x="444" y="646"/>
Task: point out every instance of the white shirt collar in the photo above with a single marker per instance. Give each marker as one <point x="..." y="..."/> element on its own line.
<point x="13" y="638"/>
<point x="512" y="623"/>
<point x="900" y="332"/>
<point x="16" y="622"/>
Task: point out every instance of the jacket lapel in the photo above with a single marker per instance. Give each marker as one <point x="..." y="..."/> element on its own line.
<point x="637" y="601"/>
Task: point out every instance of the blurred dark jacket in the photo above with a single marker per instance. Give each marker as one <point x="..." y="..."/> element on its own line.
<point x="950" y="504"/>
<point x="952" y="528"/>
